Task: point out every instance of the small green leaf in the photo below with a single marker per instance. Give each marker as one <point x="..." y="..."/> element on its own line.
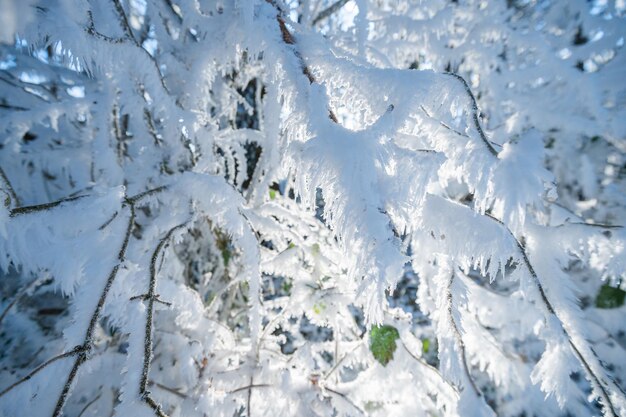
<point x="373" y="406"/>
<point x="291" y="245"/>
<point x="425" y="345"/>
<point x="383" y="343"/>
<point x="319" y="307"/>
<point x="272" y="194"/>
<point x="610" y="297"/>
<point x="315" y="248"/>
<point x="287" y="285"/>
<point x="223" y="243"/>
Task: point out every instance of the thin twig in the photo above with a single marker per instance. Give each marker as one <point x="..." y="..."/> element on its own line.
<point x="428" y="366"/>
<point x="36" y="282"/>
<point x="340" y="361"/>
<point x="151" y="297"/>
<point x="348" y="400"/>
<point x="91" y="30"/>
<point x="123" y="18"/>
<point x="136" y="198"/>
<point x="477" y="125"/>
<point x="327" y="12"/>
<point x="10" y="188"/>
<point x="249" y="407"/>
<point x="89" y="404"/>
<point x="458" y="336"/>
<point x="43" y="207"/>
<point x="247" y="387"/>
<point x="168" y="389"/>
<point x="76" y="351"/>
<point x="4" y="105"/>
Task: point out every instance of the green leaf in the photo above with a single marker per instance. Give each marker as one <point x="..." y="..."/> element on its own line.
<point x="318" y="308"/>
<point x="287" y="285"/>
<point x="425" y="345"/>
<point x="223" y="243"/>
<point x="272" y="194"/>
<point x="373" y="406"/>
<point x="383" y="343"/>
<point x="610" y="297"/>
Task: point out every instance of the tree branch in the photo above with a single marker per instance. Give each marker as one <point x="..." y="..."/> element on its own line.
<point x="76" y="351"/>
<point x="10" y="188"/>
<point x="151" y="297"/>
<point x="88" y="341"/>
<point x="36" y="282"/>
<point x="475" y="118"/>
<point x="458" y="336"/>
<point x="289" y="40"/>
<point x="348" y="400"/>
<point x="327" y="12"/>
<point x="43" y="207"/>
<point x="608" y="406"/>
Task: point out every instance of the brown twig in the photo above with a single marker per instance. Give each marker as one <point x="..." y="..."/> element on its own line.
<point x="151" y="297"/>
<point x="289" y="39"/>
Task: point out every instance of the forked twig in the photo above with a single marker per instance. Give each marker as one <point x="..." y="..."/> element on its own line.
<point x="151" y="297"/>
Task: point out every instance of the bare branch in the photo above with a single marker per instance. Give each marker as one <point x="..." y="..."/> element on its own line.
<point x="247" y="387"/>
<point x="168" y="389"/>
<point x="327" y="12"/>
<point x="78" y="350"/>
<point x="34" y="283"/>
<point x="347" y="399"/>
<point x="89" y="405"/>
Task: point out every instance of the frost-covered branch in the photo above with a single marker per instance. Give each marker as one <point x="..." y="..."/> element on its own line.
<point x="151" y="297"/>
<point x="95" y="317"/>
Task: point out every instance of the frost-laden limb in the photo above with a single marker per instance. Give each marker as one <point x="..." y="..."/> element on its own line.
<point x="289" y="39"/>
<point x="93" y="322"/>
<point x="600" y="382"/>
<point x="458" y="335"/>
<point x="151" y="297"/>
<point x="43" y="207"/>
<point x="475" y="117"/>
